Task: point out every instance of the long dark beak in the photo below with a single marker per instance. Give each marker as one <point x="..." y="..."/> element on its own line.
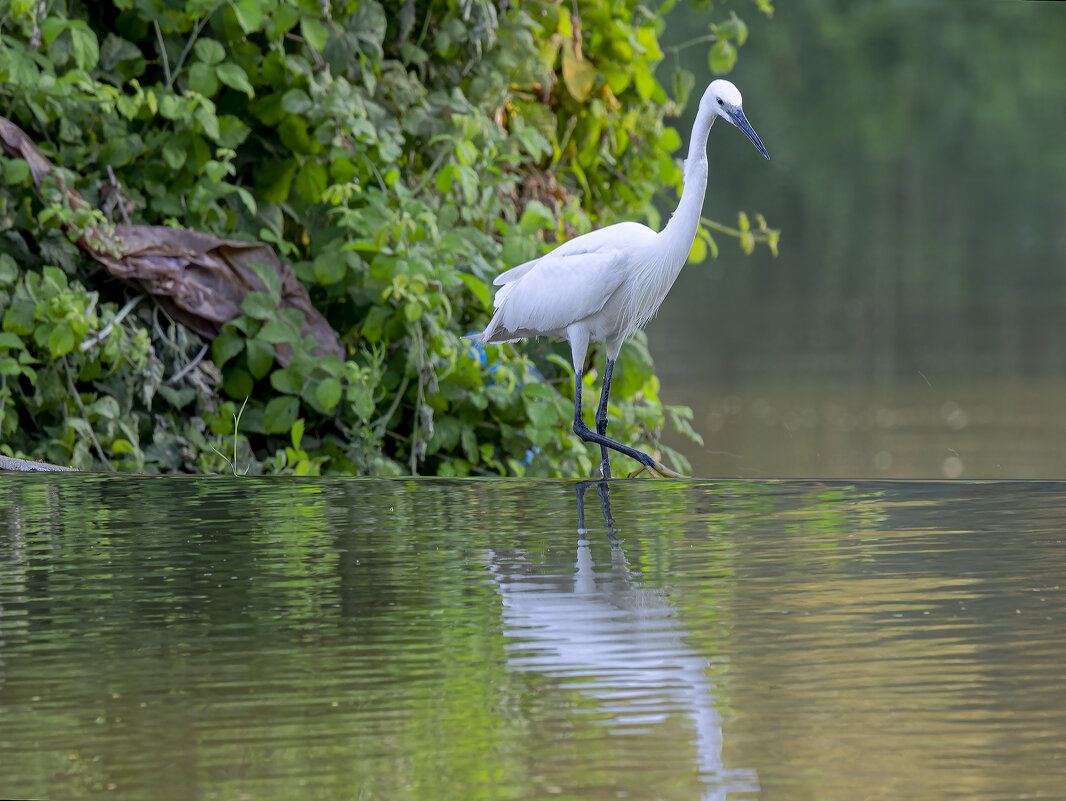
<point x="736" y="116"/>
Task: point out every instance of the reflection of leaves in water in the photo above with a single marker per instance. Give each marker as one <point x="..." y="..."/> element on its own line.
<point x="354" y="627"/>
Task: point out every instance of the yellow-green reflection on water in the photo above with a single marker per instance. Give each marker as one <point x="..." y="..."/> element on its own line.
<point x="222" y="638"/>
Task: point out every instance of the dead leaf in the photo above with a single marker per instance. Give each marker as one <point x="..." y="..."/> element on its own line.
<point x="578" y="75"/>
<point x="199" y="279"/>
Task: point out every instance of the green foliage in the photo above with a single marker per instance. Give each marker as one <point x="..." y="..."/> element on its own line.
<point x="398" y="155"/>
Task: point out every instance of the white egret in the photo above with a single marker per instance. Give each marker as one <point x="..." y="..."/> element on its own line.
<point x="601" y="286"/>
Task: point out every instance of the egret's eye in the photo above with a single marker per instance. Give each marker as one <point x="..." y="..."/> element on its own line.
<point x="721" y="102"/>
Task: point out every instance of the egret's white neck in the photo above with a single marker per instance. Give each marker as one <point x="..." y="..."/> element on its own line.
<point x="680" y="232"/>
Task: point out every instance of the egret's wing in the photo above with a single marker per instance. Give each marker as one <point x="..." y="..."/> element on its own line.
<point x="612" y="238"/>
<point x="513" y="274"/>
<point x="560" y="289"/>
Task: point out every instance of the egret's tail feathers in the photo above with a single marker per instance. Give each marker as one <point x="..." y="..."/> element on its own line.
<point x="494" y="333"/>
<point x="496" y="337"/>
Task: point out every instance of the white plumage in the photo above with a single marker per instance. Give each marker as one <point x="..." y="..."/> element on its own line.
<point x="601" y="286"/>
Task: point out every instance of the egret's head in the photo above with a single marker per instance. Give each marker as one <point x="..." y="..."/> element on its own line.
<point x="724" y="100"/>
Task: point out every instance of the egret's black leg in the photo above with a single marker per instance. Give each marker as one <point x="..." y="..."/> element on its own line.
<point x="588" y="435"/>
<point x="601" y="418"/>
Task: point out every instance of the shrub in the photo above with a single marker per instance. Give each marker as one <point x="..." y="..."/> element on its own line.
<point x="398" y="155"/>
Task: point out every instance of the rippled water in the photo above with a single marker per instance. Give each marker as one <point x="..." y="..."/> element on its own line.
<point x="371" y="639"/>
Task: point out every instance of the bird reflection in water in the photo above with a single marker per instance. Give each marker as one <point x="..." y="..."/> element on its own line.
<point x="599" y="630"/>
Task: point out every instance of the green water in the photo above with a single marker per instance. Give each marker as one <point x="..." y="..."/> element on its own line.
<point x="371" y="639"/>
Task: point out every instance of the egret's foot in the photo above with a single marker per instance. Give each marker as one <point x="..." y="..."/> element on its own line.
<point x="656" y="467"/>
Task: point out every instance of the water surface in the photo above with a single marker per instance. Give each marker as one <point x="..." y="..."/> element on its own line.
<point x="224" y="638"/>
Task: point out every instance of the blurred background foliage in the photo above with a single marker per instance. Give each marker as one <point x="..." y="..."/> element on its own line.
<point x="398" y="155"/>
<point x="913" y="326"/>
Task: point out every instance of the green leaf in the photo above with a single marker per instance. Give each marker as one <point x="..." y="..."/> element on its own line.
<point x="274" y="180"/>
<point x="542" y="415"/>
<point x="723" y="56"/>
<point x="202" y="79"/>
<point x="374" y="324"/>
<point x="52" y="27"/>
<point x="276" y="332"/>
<point x="61" y="340"/>
<point x="312" y="181"/>
<point x="679" y="417"/>
<point x="468" y="182"/>
<point x="734" y="28"/>
<point x="9" y="270"/>
<point x="699" y="250"/>
<point x="539" y="436"/>
<point x="9" y="341"/>
<point x="16" y="172"/>
<point x="296" y="101"/>
<point x="670" y="140"/>
<point x="105" y="407"/>
<point x="209" y="51"/>
<point x="86" y="47"/>
<point x="538" y="390"/>
<point x="260" y="357"/>
<point x="314" y="32"/>
<point x="362" y="399"/>
<point x="171" y="107"/>
<point x="280" y="414"/>
<point x="683" y="82"/>
<point x="330" y="267"/>
<point x="649" y="42"/>
<point x="8" y="366"/>
<point x="237" y="383"/>
<point x="225" y="347"/>
<point x="19" y="317"/>
<point x="294" y="135"/>
<point x="445" y="178"/>
<point x="293" y="318"/>
<point x="234" y="76"/>
<point x="247" y="199"/>
<point x="270" y="278"/>
<point x="259" y="305"/>
<point x="114" y="50"/>
<point x="645" y="82"/>
<point x="617" y="79"/>
<point x="283" y="20"/>
<point x="249" y="14"/>
<point x="178" y="398"/>
<point x="328" y="393"/>
<point x="286" y="380"/>
<point x="208" y="121"/>
<point x="54" y="277"/>
<point x="174" y="153"/>
<point x="479" y="289"/>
